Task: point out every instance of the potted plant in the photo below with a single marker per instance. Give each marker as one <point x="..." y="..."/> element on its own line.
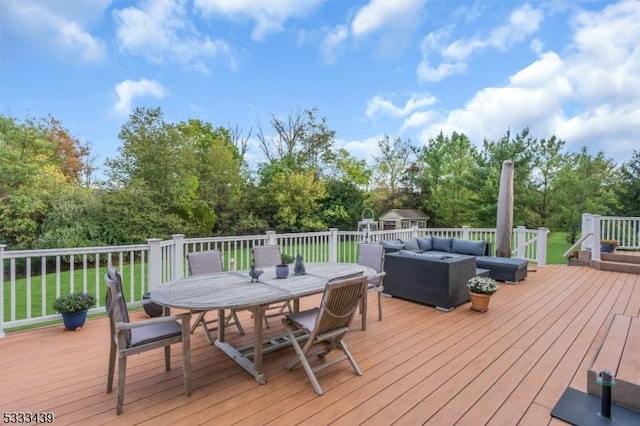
<point x="282" y="270"/>
<point x="73" y="308"/>
<point x="608" y="246"/>
<point x="480" y="290"/>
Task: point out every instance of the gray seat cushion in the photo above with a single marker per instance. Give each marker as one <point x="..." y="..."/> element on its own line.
<point x="152" y="332"/>
<point x="506" y="263"/>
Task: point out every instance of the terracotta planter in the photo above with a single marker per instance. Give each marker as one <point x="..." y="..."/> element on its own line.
<point x="479" y="302"/>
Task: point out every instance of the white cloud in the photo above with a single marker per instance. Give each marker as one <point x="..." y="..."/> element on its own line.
<point x="379" y="105"/>
<point x="522" y="22"/>
<point x="589" y="97"/>
<point x="269" y="16"/>
<point x="380" y="13"/>
<point x="161" y="31"/>
<point x="128" y="90"/>
<point x="58" y="25"/>
<point x="333" y="42"/>
<point x="365" y="149"/>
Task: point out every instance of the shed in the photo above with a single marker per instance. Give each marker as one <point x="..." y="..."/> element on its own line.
<point x="403" y="219"/>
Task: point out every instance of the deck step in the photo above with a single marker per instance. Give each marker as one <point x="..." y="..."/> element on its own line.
<point x="619" y="355"/>
<point x="620" y="256"/>
<point x="630" y="268"/>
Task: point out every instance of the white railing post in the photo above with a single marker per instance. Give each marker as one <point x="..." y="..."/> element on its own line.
<point x="178" y="256"/>
<point x="333" y="244"/>
<point x="271" y="238"/>
<point x="414" y="231"/>
<point x="465" y="232"/>
<point x="2" y="333"/>
<point x="155" y="262"/>
<point x="595" y="238"/>
<point x="521" y="241"/>
<point x="541" y="247"/>
<point x="587" y="221"/>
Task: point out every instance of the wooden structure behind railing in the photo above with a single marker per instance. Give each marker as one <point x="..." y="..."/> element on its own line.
<point x="33" y="279"/>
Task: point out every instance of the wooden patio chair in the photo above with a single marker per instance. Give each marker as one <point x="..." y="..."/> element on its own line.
<point x="129" y="338"/>
<point x="372" y="255"/>
<point x="326" y="325"/>
<point x="209" y="262"/>
<point x="270" y="255"/>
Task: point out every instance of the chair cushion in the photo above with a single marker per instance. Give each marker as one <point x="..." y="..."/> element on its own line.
<point x="153" y="332"/>
<point x="411" y="244"/>
<point x="474" y="248"/>
<point x="425" y="243"/>
<point x="441" y="243"/>
<point x="305" y="320"/>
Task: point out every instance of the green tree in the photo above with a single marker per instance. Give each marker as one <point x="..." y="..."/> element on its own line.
<point x="36" y="159"/>
<point x="486" y="180"/>
<point x="446" y="167"/>
<point x="586" y="186"/>
<point x="628" y="190"/>
<point x="548" y="159"/>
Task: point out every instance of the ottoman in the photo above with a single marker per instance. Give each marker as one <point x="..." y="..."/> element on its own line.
<point x="504" y="268"/>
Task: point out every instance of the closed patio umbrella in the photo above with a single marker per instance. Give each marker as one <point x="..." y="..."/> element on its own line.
<point x="504" y="219"/>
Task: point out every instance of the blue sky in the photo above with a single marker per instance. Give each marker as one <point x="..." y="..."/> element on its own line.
<point x="408" y="68"/>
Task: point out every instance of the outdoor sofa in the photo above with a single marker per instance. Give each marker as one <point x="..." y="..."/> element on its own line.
<point x="500" y="268"/>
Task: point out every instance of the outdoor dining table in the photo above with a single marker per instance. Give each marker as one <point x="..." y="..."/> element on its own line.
<point x="234" y="290"/>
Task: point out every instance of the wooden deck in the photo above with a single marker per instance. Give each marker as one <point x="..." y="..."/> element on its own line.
<point x="421" y="366"/>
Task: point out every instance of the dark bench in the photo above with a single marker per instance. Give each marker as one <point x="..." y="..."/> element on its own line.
<point x="503" y="268"/>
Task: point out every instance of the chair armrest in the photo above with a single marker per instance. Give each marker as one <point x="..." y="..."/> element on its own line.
<point x="377" y="275"/>
<point x="130" y="325"/>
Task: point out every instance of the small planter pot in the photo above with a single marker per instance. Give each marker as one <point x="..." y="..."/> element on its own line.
<point x="282" y="271"/>
<point x="74" y="321"/>
<point x="480" y="302"/>
<point x="607" y="248"/>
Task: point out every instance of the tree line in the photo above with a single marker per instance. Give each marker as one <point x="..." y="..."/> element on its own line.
<point x="193" y="178"/>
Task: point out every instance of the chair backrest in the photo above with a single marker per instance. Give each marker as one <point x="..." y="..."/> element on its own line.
<point x="116" y="303"/>
<point x="205" y="262"/>
<point x="339" y="304"/>
<point x="372" y="255"/>
<point x="267" y="256"/>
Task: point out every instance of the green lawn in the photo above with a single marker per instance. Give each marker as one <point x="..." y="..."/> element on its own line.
<point x="557" y="245"/>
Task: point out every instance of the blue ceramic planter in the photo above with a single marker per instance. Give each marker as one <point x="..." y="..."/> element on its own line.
<point x="74" y="321"/>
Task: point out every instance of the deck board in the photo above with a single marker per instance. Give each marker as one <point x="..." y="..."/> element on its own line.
<point x="421" y="366"/>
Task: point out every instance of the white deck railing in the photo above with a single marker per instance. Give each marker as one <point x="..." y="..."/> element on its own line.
<point x="625" y="230"/>
<point x="33" y="279"/>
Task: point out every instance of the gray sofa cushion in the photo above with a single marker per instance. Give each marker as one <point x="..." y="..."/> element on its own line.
<point x="474" y="248"/>
<point x="441" y="244"/>
<point x="411" y="244"/>
<point x="407" y="253"/>
<point x="392" y="246"/>
<point x="425" y="244"/>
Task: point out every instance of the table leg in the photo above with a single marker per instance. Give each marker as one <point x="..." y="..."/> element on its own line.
<point x="250" y="361"/>
<point x="221" y="325"/>
<point x="258" y="318"/>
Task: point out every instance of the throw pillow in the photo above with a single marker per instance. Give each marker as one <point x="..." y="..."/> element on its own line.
<point x="391" y="246"/>
<point x="411" y="244"/>
<point x="425" y="243"/>
<point x="441" y="243"/>
<point x="474" y="248"/>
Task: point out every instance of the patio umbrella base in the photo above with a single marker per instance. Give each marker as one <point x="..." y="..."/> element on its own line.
<point x="579" y="408"/>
